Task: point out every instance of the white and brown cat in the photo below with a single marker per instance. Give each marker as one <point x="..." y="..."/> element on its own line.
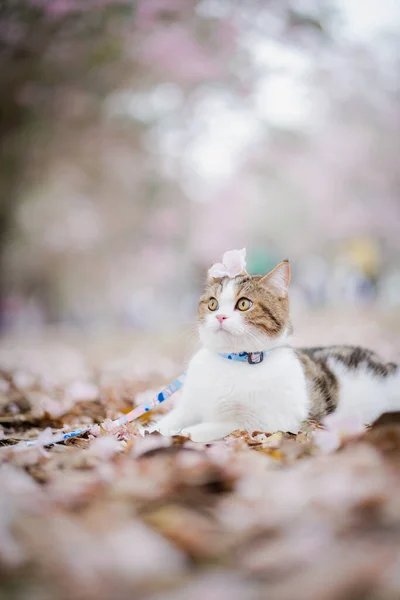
<point x="243" y="316"/>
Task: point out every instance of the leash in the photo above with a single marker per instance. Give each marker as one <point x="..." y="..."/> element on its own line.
<point x="134" y="414"/>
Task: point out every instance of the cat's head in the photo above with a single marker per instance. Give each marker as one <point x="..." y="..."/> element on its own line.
<point x="246" y="313"/>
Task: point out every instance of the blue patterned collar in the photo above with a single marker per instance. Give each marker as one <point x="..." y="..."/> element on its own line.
<point x="253" y="358"/>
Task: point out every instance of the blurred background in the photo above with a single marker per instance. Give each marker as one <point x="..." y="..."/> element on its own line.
<point x="141" y="139"/>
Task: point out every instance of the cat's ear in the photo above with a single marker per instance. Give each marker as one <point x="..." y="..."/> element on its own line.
<point x="278" y="279"/>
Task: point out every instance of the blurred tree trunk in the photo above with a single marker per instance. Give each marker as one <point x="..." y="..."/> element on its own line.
<point x="9" y="169"/>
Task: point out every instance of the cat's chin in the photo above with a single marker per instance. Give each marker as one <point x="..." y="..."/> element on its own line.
<point x="226" y="342"/>
<point x="223" y="341"/>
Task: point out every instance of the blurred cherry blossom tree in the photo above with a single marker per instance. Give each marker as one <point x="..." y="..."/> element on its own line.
<point x="137" y="144"/>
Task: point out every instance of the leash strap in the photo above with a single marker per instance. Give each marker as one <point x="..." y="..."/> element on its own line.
<point x="132" y="415"/>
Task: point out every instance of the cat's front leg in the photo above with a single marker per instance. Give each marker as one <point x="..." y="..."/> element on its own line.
<point x="187" y="412"/>
<point x="209" y="432"/>
<point x="174" y="421"/>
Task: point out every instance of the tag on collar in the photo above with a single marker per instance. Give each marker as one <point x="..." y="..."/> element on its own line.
<point x="254" y="358"/>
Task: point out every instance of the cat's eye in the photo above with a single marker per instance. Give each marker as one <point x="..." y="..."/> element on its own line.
<point x="244" y="304"/>
<point x="213" y="304"/>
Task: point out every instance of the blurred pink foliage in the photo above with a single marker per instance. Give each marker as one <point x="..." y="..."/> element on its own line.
<point x="62" y="8"/>
<point x="150" y="12"/>
<point x="177" y="53"/>
<point x="140" y="157"/>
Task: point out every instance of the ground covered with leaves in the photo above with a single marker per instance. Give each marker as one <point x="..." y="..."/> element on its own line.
<point x="121" y="515"/>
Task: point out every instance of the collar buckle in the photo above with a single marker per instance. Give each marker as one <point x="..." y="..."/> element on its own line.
<point x="255" y="358"/>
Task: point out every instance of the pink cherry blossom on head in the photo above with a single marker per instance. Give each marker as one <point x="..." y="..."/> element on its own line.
<point x="233" y="264"/>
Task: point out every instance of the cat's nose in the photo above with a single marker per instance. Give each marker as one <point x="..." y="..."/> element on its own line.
<point x="221" y="318"/>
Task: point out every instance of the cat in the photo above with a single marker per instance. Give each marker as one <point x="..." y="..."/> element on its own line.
<point x="247" y="376"/>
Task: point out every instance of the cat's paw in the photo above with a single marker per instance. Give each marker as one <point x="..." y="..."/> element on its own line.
<point x="202" y="437"/>
<point x="167" y="429"/>
<point x="208" y="432"/>
<point x="187" y="432"/>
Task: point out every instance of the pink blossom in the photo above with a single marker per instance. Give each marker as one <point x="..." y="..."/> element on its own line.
<point x="175" y="51"/>
<point x="348" y="424"/>
<point x="148" y="12"/>
<point x="326" y="440"/>
<point x="233" y="264"/>
<point x="82" y="390"/>
<point x="61" y="8"/>
<point x="96" y="430"/>
<point x="150" y="442"/>
<point x="104" y="447"/>
<point x="47" y="437"/>
<point x="338" y="428"/>
<point x="4" y="386"/>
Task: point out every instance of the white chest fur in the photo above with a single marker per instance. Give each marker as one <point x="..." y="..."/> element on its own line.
<point x="269" y="396"/>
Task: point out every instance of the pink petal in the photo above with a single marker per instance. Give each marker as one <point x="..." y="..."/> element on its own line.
<point x="327" y="441"/>
<point x="218" y="270"/>
<point x="345" y="425"/>
<point x="235" y="261"/>
<point x="164" y="48"/>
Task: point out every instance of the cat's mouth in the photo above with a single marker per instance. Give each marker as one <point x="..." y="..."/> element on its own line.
<point x="222" y="329"/>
